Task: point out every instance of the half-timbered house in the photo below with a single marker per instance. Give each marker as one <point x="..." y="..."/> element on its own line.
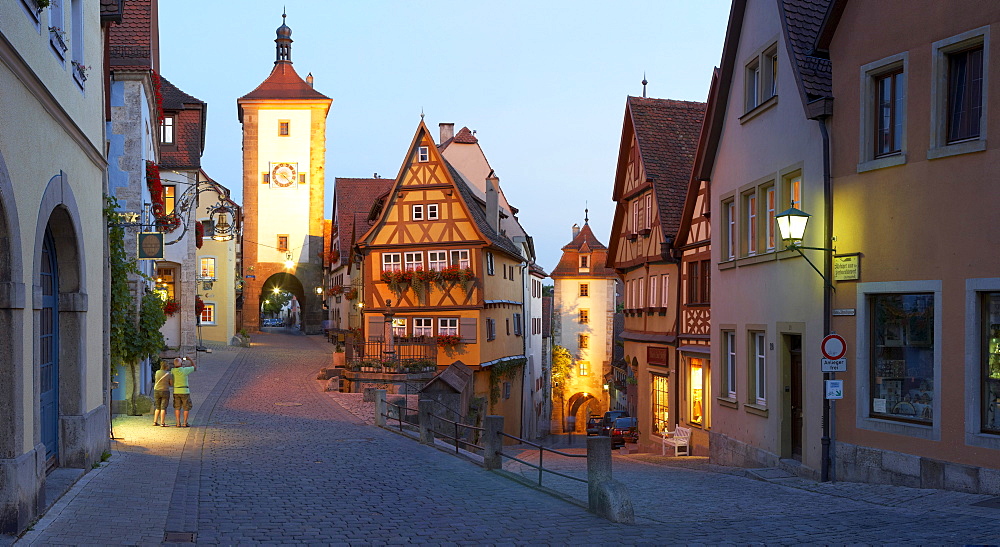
<point x="438" y="272"/>
<point x="659" y="137"/>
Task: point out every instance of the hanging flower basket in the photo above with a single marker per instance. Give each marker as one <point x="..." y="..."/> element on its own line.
<point x="449" y="341"/>
<point x="398" y="280"/>
<point x="199" y="234"/>
<point x="351" y="293"/>
<point x="168" y="223"/>
<point x="170" y="307"/>
<point x="337" y="289"/>
<point x="199" y="306"/>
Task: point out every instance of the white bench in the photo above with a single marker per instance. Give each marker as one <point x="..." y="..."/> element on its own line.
<point x="680" y="439"/>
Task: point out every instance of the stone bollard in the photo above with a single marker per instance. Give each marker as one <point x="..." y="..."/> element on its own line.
<point x="492" y="442"/>
<point x="426" y="409"/>
<point x="380" y="407"/>
<point x="606" y="497"/>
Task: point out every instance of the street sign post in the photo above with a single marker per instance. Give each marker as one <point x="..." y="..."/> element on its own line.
<point x="834" y="349"/>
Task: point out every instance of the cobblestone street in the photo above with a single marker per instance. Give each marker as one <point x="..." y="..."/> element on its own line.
<point x="271" y="458"/>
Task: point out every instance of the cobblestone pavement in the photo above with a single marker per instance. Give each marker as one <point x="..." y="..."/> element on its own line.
<point x="271" y="458"/>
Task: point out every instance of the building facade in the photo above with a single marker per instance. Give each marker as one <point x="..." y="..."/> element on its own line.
<point x="284" y="148"/>
<point x="583" y="315"/>
<point x="659" y="138"/>
<point x="54" y="388"/>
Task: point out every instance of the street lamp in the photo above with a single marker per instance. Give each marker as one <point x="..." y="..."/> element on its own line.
<point x="319" y="291"/>
<point x="289" y="263"/>
<point x="276" y="290"/>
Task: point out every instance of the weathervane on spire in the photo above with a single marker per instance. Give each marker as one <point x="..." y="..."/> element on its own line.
<point x="586" y="212"/>
<point x="644" y="82"/>
<point x="421" y="113"/>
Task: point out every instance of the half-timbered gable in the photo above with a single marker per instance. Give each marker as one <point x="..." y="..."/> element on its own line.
<point x="438" y="269"/>
<point x="659" y="138"/>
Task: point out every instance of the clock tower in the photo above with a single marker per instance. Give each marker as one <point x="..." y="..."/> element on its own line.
<point x="284" y="146"/>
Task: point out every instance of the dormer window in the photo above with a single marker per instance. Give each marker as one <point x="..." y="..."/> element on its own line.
<point x="423" y="154"/>
<point x="167" y="130"/>
<point x="584" y="262"/>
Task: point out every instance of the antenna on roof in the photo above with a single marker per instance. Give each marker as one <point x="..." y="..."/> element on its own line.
<point x="644" y="82"/>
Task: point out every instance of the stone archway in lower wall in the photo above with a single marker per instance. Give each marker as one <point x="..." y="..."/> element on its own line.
<point x="579" y="407"/>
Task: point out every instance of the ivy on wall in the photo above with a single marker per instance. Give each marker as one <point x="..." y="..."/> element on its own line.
<point x="501" y="372"/>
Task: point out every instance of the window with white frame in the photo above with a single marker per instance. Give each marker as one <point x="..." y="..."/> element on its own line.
<point x="491" y="329"/>
<point x="648" y="209"/>
<point x="640" y="285"/>
<point x="447" y="326"/>
<point x="460" y="258"/>
<point x="729" y="341"/>
<point x="584" y="367"/>
<point x="653" y="284"/>
<point x="750" y="227"/>
<point x="490" y="268"/>
<point x="761" y="77"/>
<point x="584" y="289"/>
<point x="636" y="206"/>
<point x="770" y="204"/>
<point x="207" y="269"/>
<point x="665" y="292"/>
<point x="414" y="260"/>
<point x="167" y="130"/>
<point x="518" y="328"/>
<point x="793" y="190"/>
<point x="57" y="29"/>
<point x="417" y="212"/>
<point x="437" y="260"/>
<point x="959" y="88"/>
<point x="423" y="154"/>
<point x="731" y="235"/>
<point x="759" y="372"/>
<point x="207" y="315"/>
<point x="392" y="262"/>
<point x="584" y="263"/>
<point x="432" y="211"/>
<point x="423" y="326"/>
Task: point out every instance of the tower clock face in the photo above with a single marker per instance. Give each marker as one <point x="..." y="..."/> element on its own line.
<point x="283" y="175"/>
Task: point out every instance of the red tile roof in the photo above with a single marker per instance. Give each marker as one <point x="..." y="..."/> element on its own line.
<point x="465" y="136"/>
<point x="284" y="83"/>
<point x="352" y="200"/>
<point x="803" y="20"/>
<point x="189" y="128"/>
<point x="133" y="42"/>
<point x="585" y="242"/>
<point x="667" y="134"/>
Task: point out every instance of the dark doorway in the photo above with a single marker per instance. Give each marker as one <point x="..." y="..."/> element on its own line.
<point x="48" y="344"/>
<point x="795" y="373"/>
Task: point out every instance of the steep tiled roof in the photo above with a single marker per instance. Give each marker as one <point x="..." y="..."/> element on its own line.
<point x="465" y="136"/>
<point x="353" y="198"/>
<point x="477" y="208"/>
<point x="802" y="20"/>
<point x="584" y="242"/>
<point x="189" y="128"/>
<point x="667" y="132"/>
<point x="133" y="41"/>
<point x="284" y="83"/>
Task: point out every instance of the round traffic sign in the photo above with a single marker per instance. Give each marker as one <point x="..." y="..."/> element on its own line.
<point x="833" y="346"/>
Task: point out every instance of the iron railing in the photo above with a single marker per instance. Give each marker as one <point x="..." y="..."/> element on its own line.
<point x="541" y="452"/>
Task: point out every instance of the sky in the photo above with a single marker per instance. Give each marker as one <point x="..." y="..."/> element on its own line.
<point x="543" y="83"/>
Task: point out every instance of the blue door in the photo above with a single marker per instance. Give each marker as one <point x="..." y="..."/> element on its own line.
<point x="48" y="338"/>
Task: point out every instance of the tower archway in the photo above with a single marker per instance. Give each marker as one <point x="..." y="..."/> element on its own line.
<point x="579" y="407"/>
<point x="284" y="281"/>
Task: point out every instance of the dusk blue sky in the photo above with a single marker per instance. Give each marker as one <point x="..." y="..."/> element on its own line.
<point x="543" y="84"/>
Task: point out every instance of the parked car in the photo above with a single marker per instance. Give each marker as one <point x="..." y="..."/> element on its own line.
<point x="609" y="420"/>
<point x="594" y="425"/>
<point x="624" y="430"/>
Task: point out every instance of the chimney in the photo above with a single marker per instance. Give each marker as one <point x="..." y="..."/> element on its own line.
<point x="447" y="132"/>
<point x="576" y="230"/>
<point x="492" y="201"/>
<point x="309" y="79"/>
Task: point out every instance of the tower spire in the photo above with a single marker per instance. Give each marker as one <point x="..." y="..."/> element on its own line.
<point x="283" y="41"/>
<point x="644" y="82"/>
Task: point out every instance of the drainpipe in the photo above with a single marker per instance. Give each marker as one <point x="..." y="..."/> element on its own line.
<point x="826" y="467"/>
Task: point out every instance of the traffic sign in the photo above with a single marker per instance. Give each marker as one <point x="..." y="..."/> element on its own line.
<point x="835" y="365"/>
<point x="834" y="389"/>
<point x="834" y="346"/>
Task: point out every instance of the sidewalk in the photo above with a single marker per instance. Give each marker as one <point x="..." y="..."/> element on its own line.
<point x="130" y="495"/>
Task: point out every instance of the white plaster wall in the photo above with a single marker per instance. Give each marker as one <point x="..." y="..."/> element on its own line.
<point x="283" y="210"/>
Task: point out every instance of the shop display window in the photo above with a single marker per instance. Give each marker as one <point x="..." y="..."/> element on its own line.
<point x="661" y="404"/>
<point x="991" y="364"/>
<point x="697" y="391"/>
<point x="902" y="377"/>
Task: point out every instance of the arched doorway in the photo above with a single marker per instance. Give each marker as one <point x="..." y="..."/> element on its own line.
<point x="282" y="282"/>
<point x="579" y="407"/>
<point x="48" y="344"/>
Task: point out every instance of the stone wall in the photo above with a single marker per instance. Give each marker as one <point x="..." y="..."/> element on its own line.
<point x="863" y="464"/>
<point x="726" y="451"/>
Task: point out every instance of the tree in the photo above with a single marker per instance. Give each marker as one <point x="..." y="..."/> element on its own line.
<point x="562" y="371"/>
<point x="132" y="338"/>
<point x="275" y="302"/>
<point x="548" y="290"/>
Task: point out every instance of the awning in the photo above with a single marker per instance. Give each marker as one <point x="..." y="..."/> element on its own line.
<point x="704" y="350"/>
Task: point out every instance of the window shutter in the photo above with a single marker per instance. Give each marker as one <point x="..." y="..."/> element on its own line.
<point x="467" y="329"/>
<point x="376" y="327"/>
